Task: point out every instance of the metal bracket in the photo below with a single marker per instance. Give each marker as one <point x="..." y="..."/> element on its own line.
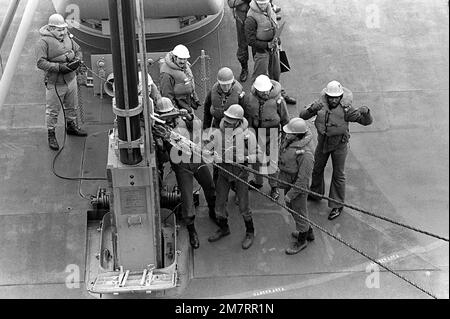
<point x="133" y="144"/>
<point x="127" y="113"/>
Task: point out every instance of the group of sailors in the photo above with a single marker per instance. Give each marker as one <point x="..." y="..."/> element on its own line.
<point x="248" y="121"/>
<point x="240" y="131"/>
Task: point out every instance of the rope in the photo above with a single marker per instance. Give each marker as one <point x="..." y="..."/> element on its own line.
<point x="341" y="203"/>
<point x="173" y="211"/>
<point x="327" y="232"/>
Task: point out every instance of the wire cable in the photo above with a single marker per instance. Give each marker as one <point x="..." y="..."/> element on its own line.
<point x="323" y="230"/>
<point x="78" y="178"/>
<point x="173" y="211"/>
<point x="342" y="203"/>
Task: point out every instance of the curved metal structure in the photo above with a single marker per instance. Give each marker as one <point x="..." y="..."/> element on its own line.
<point x="155" y="9"/>
<point x="168" y="22"/>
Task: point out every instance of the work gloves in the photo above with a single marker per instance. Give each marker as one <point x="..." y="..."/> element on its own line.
<point x="186" y="115"/>
<point x="272" y="45"/>
<point x="65" y="68"/>
<point x="315" y="107"/>
<point x="364" y="110"/>
<point x="161" y="132"/>
<point x="195" y="104"/>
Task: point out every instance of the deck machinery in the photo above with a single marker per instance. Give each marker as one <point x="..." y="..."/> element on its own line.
<point x="138" y="249"/>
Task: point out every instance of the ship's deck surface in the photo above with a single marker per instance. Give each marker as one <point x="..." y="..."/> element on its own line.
<point x="398" y="167"/>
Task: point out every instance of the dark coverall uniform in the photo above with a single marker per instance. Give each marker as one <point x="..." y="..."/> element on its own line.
<point x="260" y="29"/>
<point x="240" y="8"/>
<point x="185" y="173"/>
<point x="295" y="163"/>
<point x="225" y="180"/>
<point x="217" y="102"/>
<point x="332" y="136"/>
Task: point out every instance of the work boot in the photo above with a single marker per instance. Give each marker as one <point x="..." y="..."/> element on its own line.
<point x="335" y="212"/>
<point x="298" y="245"/>
<point x="193" y="237"/>
<point x="249" y="234"/>
<point x="223" y="230"/>
<point x="244" y="74"/>
<point x="254" y="184"/>
<point x="309" y="237"/>
<point x="52" y="142"/>
<point x="274" y="193"/>
<point x="72" y="129"/>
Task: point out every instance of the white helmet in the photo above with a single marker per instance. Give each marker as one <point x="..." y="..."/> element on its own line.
<point x="164" y="105"/>
<point x="225" y="76"/>
<point x="181" y="51"/>
<point x="262" y="1"/>
<point x="57" y="20"/>
<point x="235" y="111"/>
<point x="149" y="82"/>
<point x="295" y="126"/>
<point x="334" y="89"/>
<point x="262" y="83"/>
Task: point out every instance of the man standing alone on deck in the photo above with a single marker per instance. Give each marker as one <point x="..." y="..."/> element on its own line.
<point x="59" y="56"/>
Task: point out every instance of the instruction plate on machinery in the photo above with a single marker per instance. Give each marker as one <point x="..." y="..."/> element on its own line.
<point x="133" y="200"/>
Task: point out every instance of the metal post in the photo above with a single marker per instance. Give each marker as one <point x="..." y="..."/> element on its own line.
<point x="150" y="151"/>
<point x="203" y="70"/>
<point x="10" y="12"/>
<point x="123" y="48"/>
<point x="15" y="54"/>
